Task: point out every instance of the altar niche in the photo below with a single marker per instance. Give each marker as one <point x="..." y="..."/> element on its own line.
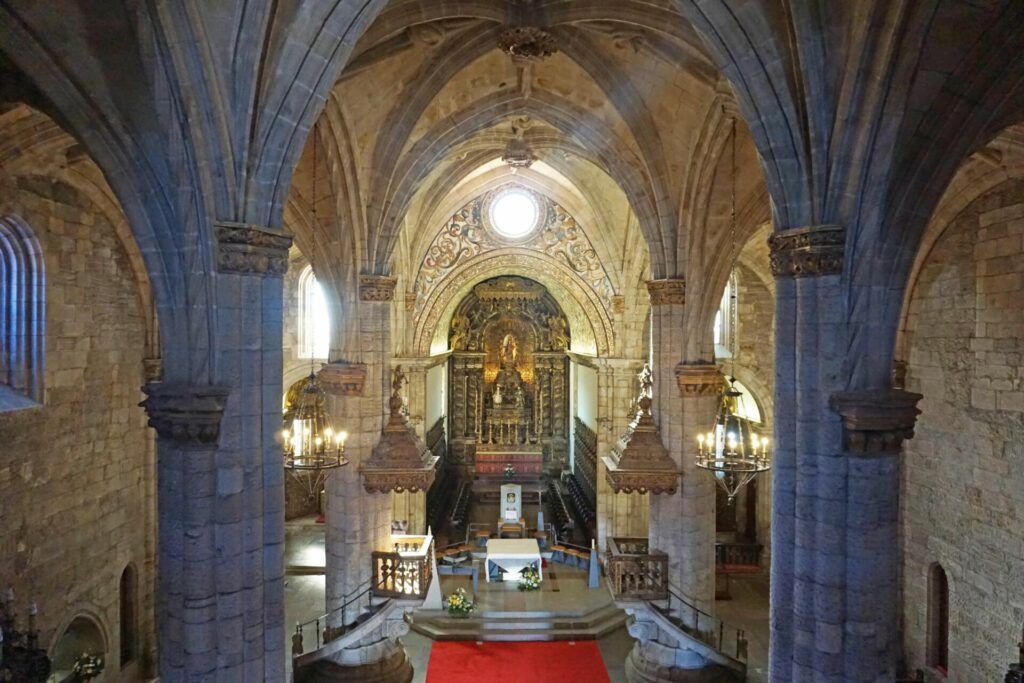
<point x="508" y="403"/>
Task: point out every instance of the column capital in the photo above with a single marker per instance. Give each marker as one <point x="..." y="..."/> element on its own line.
<point x="876" y="422"/>
<point x="698" y="379"/>
<point x="376" y="288"/>
<point x="187" y="415"/>
<point x="342" y="378"/>
<point x="667" y="291"/>
<point x="807" y="252"/>
<point x="245" y="249"/>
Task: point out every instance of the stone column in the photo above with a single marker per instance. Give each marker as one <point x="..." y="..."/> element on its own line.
<point x="700" y="385"/>
<point x="359" y="522"/>
<point x="221" y="480"/>
<point x="835" y="541"/>
<point x="618" y="514"/>
<point x="681" y="525"/>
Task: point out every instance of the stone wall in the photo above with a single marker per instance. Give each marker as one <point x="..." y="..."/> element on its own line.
<point x="77" y="472"/>
<point x="962" y="487"/>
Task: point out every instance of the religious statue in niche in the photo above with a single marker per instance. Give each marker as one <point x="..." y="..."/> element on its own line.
<point x="509" y="350"/>
<point x="397" y="380"/>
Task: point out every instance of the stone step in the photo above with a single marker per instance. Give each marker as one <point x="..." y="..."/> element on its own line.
<point x="519" y="626"/>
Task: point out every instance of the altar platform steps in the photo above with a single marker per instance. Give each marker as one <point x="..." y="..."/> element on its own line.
<point x="518" y="626"/>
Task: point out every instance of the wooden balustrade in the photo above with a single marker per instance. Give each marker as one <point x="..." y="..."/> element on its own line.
<point x="635" y="572"/>
<point x="406" y="570"/>
<point x="737" y="557"/>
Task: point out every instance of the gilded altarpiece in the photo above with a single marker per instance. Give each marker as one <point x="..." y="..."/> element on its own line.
<point x="509" y="372"/>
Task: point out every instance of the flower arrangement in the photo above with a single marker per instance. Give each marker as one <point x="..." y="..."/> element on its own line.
<point x="529" y="579"/>
<point x="87" y="667"/>
<point x="510" y="471"/>
<point x="458" y="604"/>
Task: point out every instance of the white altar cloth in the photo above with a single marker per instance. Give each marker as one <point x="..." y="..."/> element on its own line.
<point x="511" y="556"/>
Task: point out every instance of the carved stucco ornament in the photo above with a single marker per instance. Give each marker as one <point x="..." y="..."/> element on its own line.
<point x="376" y="288"/>
<point x="639" y="461"/>
<point x="342" y="378"/>
<point x="188" y="416"/>
<point x="807" y="252"/>
<point x="245" y="249"/>
<point x="876" y="422"/>
<point x="668" y="291"/>
<point x="400" y="461"/>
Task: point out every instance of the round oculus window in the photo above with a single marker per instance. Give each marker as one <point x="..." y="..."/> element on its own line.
<point x="514" y="214"/>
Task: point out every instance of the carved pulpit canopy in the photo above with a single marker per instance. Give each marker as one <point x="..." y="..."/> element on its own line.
<point x="400" y="461"/>
<point x="639" y="462"/>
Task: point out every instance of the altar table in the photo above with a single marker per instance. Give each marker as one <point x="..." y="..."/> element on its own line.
<point x="512" y="555"/>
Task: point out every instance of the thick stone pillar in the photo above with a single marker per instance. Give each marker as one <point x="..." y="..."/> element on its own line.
<point x="359" y="522"/>
<point x="835" y="481"/>
<point x="221" y="481"/>
<point x="681" y="525"/>
<point x="618" y="514"/>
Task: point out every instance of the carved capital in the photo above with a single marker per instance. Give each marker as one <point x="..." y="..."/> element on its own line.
<point x="342" y="378"/>
<point x="246" y="249"/>
<point x="704" y="379"/>
<point x="410" y="301"/>
<point x="618" y="303"/>
<point x="808" y="252"/>
<point x="376" y="288"/>
<point x="668" y="291"/>
<point x="876" y="422"/>
<point x="187" y="415"/>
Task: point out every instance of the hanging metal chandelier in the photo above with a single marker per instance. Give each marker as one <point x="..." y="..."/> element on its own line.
<point x="311" y="446"/>
<point x="732" y="449"/>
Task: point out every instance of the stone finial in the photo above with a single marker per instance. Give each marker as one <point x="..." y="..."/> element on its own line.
<point x="376" y="288"/>
<point x="342" y="378"/>
<point x="876" y="422"/>
<point x="400" y="461"/>
<point x="245" y="249"/>
<point x="698" y="379"/>
<point x="639" y="461"/>
<point x="187" y="415"/>
<point x="807" y="252"/>
<point x="667" y="291"/>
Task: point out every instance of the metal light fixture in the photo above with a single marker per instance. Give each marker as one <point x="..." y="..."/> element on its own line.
<point x="21" y="657"/>
<point x="311" y="446"/>
<point x="732" y="449"/>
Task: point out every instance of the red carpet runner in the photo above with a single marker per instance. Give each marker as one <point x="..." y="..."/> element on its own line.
<point x="467" y="662"/>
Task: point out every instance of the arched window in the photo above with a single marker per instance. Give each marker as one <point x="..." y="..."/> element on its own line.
<point x="314" y="319"/>
<point x="128" y="616"/>
<point x="725" y="319"/>
<point x="22" y="313"/>
<point x="938" y="618"/>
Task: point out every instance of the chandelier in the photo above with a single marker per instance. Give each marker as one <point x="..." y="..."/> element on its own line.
<point x="21" y="657"/>
<point x="311" y="446"/>
<point x="732" y="450"/>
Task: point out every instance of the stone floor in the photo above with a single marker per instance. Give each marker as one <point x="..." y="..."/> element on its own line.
<point x="748" y="610"/>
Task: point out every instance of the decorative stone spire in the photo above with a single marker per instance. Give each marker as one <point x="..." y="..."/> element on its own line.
<point x="400" y="461"/>
<point x="639" y="462"/>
